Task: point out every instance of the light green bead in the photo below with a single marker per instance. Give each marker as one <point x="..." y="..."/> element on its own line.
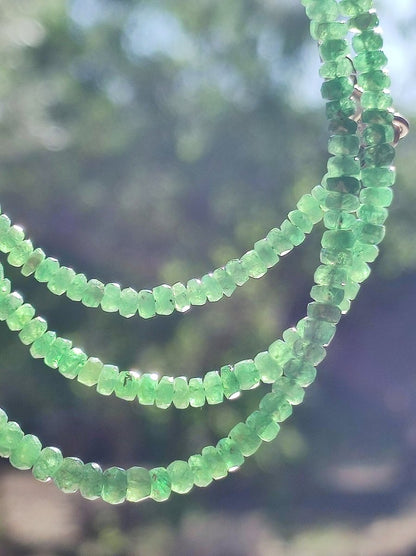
<point x="3" y="418"/>
<point x="196" y="292"/>
<point x="323" y="31"/>
<point x="11" y="238"/>
<point x="230" y="453"/>
<point x="69" y="475"/>
<point x="93" y="293"/>
<point x="196" y="392"/>
<point x="292" y="232"/>
<point x="245" y="438"/>
<point x="127" y="385"/>
<point x="291" y="390"/>
<point x="91" y="484"/>
<point x="230" y="384"/>
<point x="20" y="254"/>
<point x="327" y="294"/>
<point x="138" y="484"/>
<point x="107" y="380"/>
<point x="9" y="304"/>
<point x="89" y="373"/>
<point x="237" y="272"/>
<point x="33" y="262"/>
<point x="343" y="145"/>
<point x="111" y="298"/>
<point x="318" y="331"/>
<point x="47" y="269"/>
<point x="247" y="374"/>
<point x="263" y="425"/>
<point x="253" y="264"/>
<point x="280" y="352"/>
<point x="5" y="287"/>
<point x="213" y="387"/>
<point x="364" y="21"/>
<point x="225" y="280"/>
<point x="370" y="233"/>
<point x="276" y="405"/>
<point x="359" y="272"/>
<point x="214" y="463"/>
<point x="160" y="484"/>
<point x="377" y="196"/>
<point x="279" y="242"/>
<point x="10" y="436"/>
<point x="77" y="287"/>
<point x="181" y="297"/>
<point x="129" y="302"/>
<point x="269" y="369"/>
<point x="324" y="311"/>
<point x="201" y="474"/>
<point x="21" y="317"/>
<point x="41" y="346"/>
<point x="114" y="488"/>
<point x="56" y="351"/>
<point x="266" y="252"/>
<point x="146" y="304"/>
<point x="164" y="300"/>
<point x="25" y="454"/>
<point x="147" y="389"/>
<point x="301" y="221"/>
<point x="181" y="476"/>
<point x="325" y="10"/>
<point x="61" y="281"/>
<point x="48" y="462"/>
<point x="164" y="392"/>
<point x="212" y="288"/>
<point x="71" y="363"/>
<point x="180" y="393"/>
<point x="302" y="372"/>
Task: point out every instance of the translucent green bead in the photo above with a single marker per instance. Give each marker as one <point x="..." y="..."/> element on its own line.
<point x="212" y="288"/>
<point x="341" y="201"/>
<point x="370" y="233"/>
<point x="26" y="452"/>
<point x="41" y="346"/>
<point x="343" y="184"/>
<point x="276" y="406"/>
<point x="201" y="474"/>
<point x="335" y="256"/>
<point x="214" y="463"/>
<point x="365" y="252"/>
<point x="107" y="380"/>
<point x="381" y="100"/>
<point x="373" y="215"/>
<point x="310" y="206"/>
<point x="180" y="393"/>
<point x="302" y="372"/>
<point x="309" y="351"/>
<point x="196" y="392"/>
<point x="376" y="116"/>
<point x="22" y="316"/>
<point x="3" y="418"/>
<point x="11" y="238"/>
<point x="69" y="475"/>
<point x="263" y="425"/>
<point x="336" y="89"/>
<point x="225" y="280"/>
<point x="181" y="476"/>
<point x="5" y="224"/>
<point x="111" y="298"/>
<point x="91" y="484"/>
<point x="138" y="484"/>
<point x="269" y="370"/>
<point x="266" y="252"/>
<point x="230" y="384"/>
<point x="164" y="392"/>
<point x="9" y="304"/>
<point x="253" y="264"/>
<point x="196" y="292"/>
<point x="230" y="453"/>
<point x="343" y="165"/>
<point x="33" y="262"/>
<point x="5" y="288"/>
<point x="164" y="300"/>
<point x="280" y="352"/>
<point x="327" y="294"/>
<point x="127" y="385"/>
<point x="342" y="126"/>
<point x="338" y="239"/>
<point x="245" y="438"/>
<point x="61" y="281"/>
<point x="339" y="220"/>
<point x="367" y="40"/>
<point x="344" y="145"/>
<point x="379" y="155"/>
<point x="324" y="10"/>
<point x="10" y="436"/>
<point x="71" y="363"/>
<point x="114" y="488"/>
<point x="77" y="287"/>
<point x="359" y="272"/>
<point x="324" y="31"/>
<point x="160" y="484"/>
<point x="146" y="304"/>
<point x="129" y="301"/>
<point x="301" y="221"/>
<point x="378" y="177"/>
<point x="56" y="351"/>
<point x="324" y="311"/>
<point x="181" y="297"/>
<point x="292" y="232"/>
<point x="376" y="196"/>
<point x="343" y="108"/>
<point x="354" y="8"/>
<point x="318" y="331"/>
<point x="279" y="241"/>
<point x="287" y="387"/>
<point x="377" y="134"/>
<point x="46" y="269"/>
<point x="333" y="49"/>
<point x="247" y="374"/>
<point x="351" y="290"/>
<point x="329" y="275"/>
<point x="370" y="60"/>
<point x="93" y="293"/>
<point x="375" y="80"/>
<point x="46" y="465"/>
<point x="213" y="388"/>
<point x="237" y="272"/>
<point x="338" y="68"/>
<point x="89" y="373"/>
<point x="147" y="388"/>
<point x="20" y="254"/>
<point x="364" y="21"/>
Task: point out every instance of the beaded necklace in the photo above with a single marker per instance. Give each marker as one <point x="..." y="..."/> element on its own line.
<point x="352" y="201"/>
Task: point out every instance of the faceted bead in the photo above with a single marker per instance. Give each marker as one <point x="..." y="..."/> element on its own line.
<point x="180" y="392"/>
<point x="341" y="201"/>
<point x="326" y="312"/>
<point x="324" y="31"/>
<point x="269" y="370"/>
<point x="225" y="280"/>
<point x="3" y="418"/>
<point x="329" y="275"/>
<point x="333" y="49"/>
<point x="367" y="40"/>
<point x="376" y="134"/>
<point x="214" y="463"/>
<point x="373" y="215"/>
<point x="343" y="108"/>
<point x="181" y="476"/>
<point x="77" y="287"/>
<point x="201" y="474"/>
<point x="365" y="252"/>
<point x="318" y="331"/>
<point x="71" y="362"/>
<point x="164" y="300"/>
<point x="33" y="262"/>
<point x="46" y="465"/>
<point x="253" y="264"/>
<point x="41" y="346"/>
<point x="138" y="484"/>
<point x="301" y="221"/>
<point x="146" y="304"/>
<point x="325" y="10"/>
<point x="237" y="272"/>
<point x="375" y="80"/>
<point x="10" y="436"/>
<point x="127" y="385"/>
<point x="164" y="392"/>
<point x="336" y="89"/>
<point x="379" y="155"/>
<point x="107" y="380"/>
<point x="345" y="306"/>
<point x="147" y="388"/>
<point x="302" y="372"/>
<point x="160" y="484"/>
<point x="5" y="287"/>
<point x="247" y="374"/>
<point x="343" y="165"/>
<point x="129" y="300"/>
<point x="22" y="316"/>
<point x="335" y="256"/>
<point x="245" y="438"/>
<point x="370" y="60"/>
<point x="341" y="67"/>
<point x="196" y="392"/>
<point x="359" y="272"/>
<point x="69" y="475"/>
<point x="363" y="21"/>
<point x="91" y="484"/>
<point x="20" y="254"/>
<point x="354" y="8"/>
<point x="114" y="488"/>
<point x="280" y="352"/>
<point x="343" y="184"/>
<point x="292" y="232"/>
<point x="338" y="220"/>
<point x="230" y="453"/>
<point x="266" y="252"/>
<point x="375" y="116"/>
<point x="26" y="452"/>
<point x="212" y="288"/>
<point x="181" y="297"/>
<point x="381" y="100"/>
<point x="214" y="392"/>
<point x="311" y="352"/>
<point x="287" y="387"/>
<point x="276" y="406"/>
<point x="5" y="225"/>
<point x="327" y="294"/>
<point x="230" y="384"/>
<point x="338" y="239"/>
<point x="196" y="292"/>
<point x="11" y="238"/>
<point x="89" y="373"/>
<point x="9" y="304"/>
<point x="370" y="233"/>
<point x="93" y="293"/>
<point x="47" y="269"/>
<point x="376" y="196"/>
<point x="342" y="126"/>
<point x="111" y="298"/>
<point x="263" y="425"/>
<point x="320" y="194"/>
<point x="56" y="351"/>
<point x="61" y="281"/>
<point x="279" y="242"/>
<point x="378" y="177"/>
<point x="344" y="145"/>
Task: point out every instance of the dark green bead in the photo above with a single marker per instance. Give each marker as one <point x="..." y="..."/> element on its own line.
<point x="333" y="49"/>
<point x="327" y="294"/>
<point x="373" y="215"/>
<point x="381" y="100"/>
<point x="46" y="465"/>
<point x="266" y="252"/>
<point x="336" y="89"/>
<point x="344" y="145"/>
<point x="353" y="8"/>
<point x="138" y="484"/>
<point x="247" y="374"/>
<point x="376" y="116"/>
<point x="378" y="177"/>
<point x="367" y="40"/>
<point x="164" y="300"/>
<point x="129" y="301"/>
<point x="202" y="476"/>
<point x="230" y="384"/>
<point x="114" y="488"/>
<point x="343" y="184"/>
<point x="377" y="196"/>
<point x="146" y="304"/>
<point x="225" y="280"/>
<point x="196" y="292"/>
<point x="71" y="362"/>
<point x="164" y="392"/>
<point x="301" y="221"/>
<point x="375" y="80"/>
<point x="318" y="331"/>
<point x="276" y="406"/>
<point x="370" y="233"/>
<point x="213" y="387"/>
<point x="279" y="242"/>
<point x="336" y="109"/>
<point x="288" y="388"/>
<point x="323" y="311"/>
<point x="364" y="21"/>
<point x="263" y="425"/>
<point x="253" y="264"/>
<point x="237" y="272"/>
<point x="324" y="10"/>
<point x="214" y="463"/>
<point x="325" y="31"/>
<point x="292" y="232"/>
<point x="160" y="484"/>
<point x="196" y="392"/>
<point x="379" y="155"/>
<point x="338" y="239"/>
<point x="25" y="454"/>
<point x="91" y="484"/>
<point x="229" y="452"/>
<point x="342" y="126"/>
<point x="147" y="389"/>
<point x="302" y="372"/>
<point x="127" y="385"/>
<point x="377" y="134"/>
<point x="10" y="436"/>
<point x="107" y="380"/>
<point x="69" y="475"/>
<point x="268" y="368"/>
<point x="341" y="201"/>
<point x="181" y="476"/>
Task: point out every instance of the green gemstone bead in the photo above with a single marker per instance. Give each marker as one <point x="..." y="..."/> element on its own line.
<point x="93" y="293"/>
<point x="335" y="256"/>
<point x="302" y="372"/>
<point x="245" y="438"/>
<point x="301" y="221"/>
<point x="381" y="100"/>
<point x="375" y="80"/>
<point x="46" y="465"/>
<point x="5" y="225"/>
<point x="147" y="388"/>
<point x="127" y="385"/>
<point x="9" y="304"/>
<point x="196" y="392"/>
<point x="164" y="392"/>
<point x="342" y="126"/>
<point x="91" y="484"/>
<point x="114" y="488"/>
<point x="77" y="287"/>
<point x="336" y="89"/>
<point x="377" y="134"/>
<point x="237" y="272"/>
<point x="325" y="31"/>
<point x="253" y="264"/>
<point x="325" y="10"/>
<point x="263" y="425"/>
<point x="61" y="281"/>
<point x="69" y="475"/>
<point x="212" y="288"/>
<point x="375" y="116"/>
<point x="138" y="484"/>
<point x="20" y="254"/>
<point x="181" y="476"/>
<point x="287" y="387"/>
<point x="71" y="362"/>
<point x="279" y="242"/>
<point x="370" y="233"/>
<point x="365" y="252"/>
<point x="332" y="49"/>
<point x="323" y="311"/>
<point x="343" y="165"/>
<point x="341" y="67"/>
<point x="373" y="215"/>
<point x="164" y="300"/>
<point x="180" y="392"/>
<point x="129" y="301"/>
<point x="214" y="392"/>
<point x="111" y="298"/>
<point x="280" y="352"/>
<point x="10" y="436"/>
<point x="310" y="352"/>
<point x="146" y="304"/>
<point x="33" y="262"/>
<point x="329" y="275"/>
<point x="338" y="239"/>
<point x="11" y="238"/>
<point x="89" y="373"/>
<point x="378" y="177"/>
<point x="276" y="406"/>
<point x="367" y="40"/>
<point x="225" y="280"/>
<point x="351" y="290"/>
<point x="269" y="370"/>
<point x="343" y="108"/>
<point x="266" y="252"/>
<point x="201" y="474"/>
<point x="364" y="21"/>
<point x="46" y="269"/>
<point x="379" y="155"/>
<point x="292" y="232"/>
<point x="56" y="351"/>
<point x="196" y="292"/>
<point x="107" y="380"/>
<point x="230" y="453"/>
<point x="160" y="484"/>
<point x="22" y="316"/>
<point x="339" y="220"/>
<point x="344" y="145"/>
<point x="377" y="196"/>
<point x="41" y="346"/>
<point x="318" y="331"/>
<point x="343" y="184"/>
<point x="26" y="452"/>
<point x="5" y="287"/>
<point x="359" y="272"/>
<point x="247" y="374"/>
<point x="341" y="201"/>
<point x="213" y="462"/>
<point x="230" y="384"/>
<point x="354" y="8"/>
<point x="181" y="297"/>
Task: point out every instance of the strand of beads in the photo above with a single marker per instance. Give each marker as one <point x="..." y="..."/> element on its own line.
<point x="163" y="299"/>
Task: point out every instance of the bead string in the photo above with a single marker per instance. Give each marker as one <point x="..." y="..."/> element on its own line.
<point x="346" y="249"/>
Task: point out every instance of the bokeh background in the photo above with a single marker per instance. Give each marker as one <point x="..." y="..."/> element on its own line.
<point x="146" y="142"/>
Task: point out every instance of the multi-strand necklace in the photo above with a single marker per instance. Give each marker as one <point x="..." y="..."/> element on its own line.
<point x="352" y="201"/>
